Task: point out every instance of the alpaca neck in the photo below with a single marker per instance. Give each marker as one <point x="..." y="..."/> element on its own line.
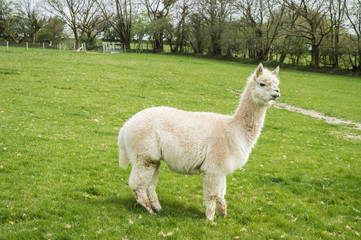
<point x="249" y="117"/>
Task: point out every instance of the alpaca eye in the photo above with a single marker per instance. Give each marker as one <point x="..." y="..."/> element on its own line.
<point x="262" y="84"/>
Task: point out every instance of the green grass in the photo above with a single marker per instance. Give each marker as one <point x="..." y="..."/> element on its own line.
<point x="60" y="113"/>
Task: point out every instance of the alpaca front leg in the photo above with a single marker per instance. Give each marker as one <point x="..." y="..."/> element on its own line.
<point x="152" y="195"/>
<point x="214" y="191"/>
<point x="140" y="180"/>
<point x="222" y="207"/>
<point x="211" y="208"/>
<point x="221" y="202"/>
<point x="142" y="199"/>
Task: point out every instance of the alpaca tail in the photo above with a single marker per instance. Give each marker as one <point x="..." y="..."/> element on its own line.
<point x="123" y="159"/>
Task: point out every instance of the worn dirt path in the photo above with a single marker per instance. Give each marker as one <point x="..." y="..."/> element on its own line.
<point x="320" y="116"/>
<point x="317" y="115"/>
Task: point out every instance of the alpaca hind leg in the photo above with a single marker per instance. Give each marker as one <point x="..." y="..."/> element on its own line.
<point x="212" y="191"/>
<point x="221" y="202"/>
<point x="152" y="195"/>
<point x="140" y="179"/>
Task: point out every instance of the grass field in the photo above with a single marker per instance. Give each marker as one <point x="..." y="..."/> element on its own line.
<point x="60" y="113"/>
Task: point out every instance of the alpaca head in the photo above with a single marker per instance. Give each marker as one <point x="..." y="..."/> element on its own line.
<point x="264" y="85"/>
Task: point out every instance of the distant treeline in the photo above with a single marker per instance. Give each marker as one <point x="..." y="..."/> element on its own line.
<point x="313" y="32"/>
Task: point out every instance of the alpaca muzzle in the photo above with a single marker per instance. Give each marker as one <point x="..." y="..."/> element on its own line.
<point x="275" y="96"/>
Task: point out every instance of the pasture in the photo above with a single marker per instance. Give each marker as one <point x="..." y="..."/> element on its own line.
<point x="60" y="113"/>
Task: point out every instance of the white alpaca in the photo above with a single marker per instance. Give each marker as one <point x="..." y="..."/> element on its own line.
<point x="195" y="142"/>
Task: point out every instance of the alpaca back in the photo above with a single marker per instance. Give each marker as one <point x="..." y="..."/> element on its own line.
<point x="180" y="138"/>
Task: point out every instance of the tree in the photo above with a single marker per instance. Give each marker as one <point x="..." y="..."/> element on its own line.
<point x="182" y="8"/>
<point x="78" y="14"/>
<point x="140" y="28"/>
<point x="53" y="31"/>
<point x="337" y="12"/>
<point x="34" y="20"/>
<point x="92" y="21"/>
<point x="353" y="13"/>
<point x="5" y="11"/>
<point x="12" y="21"/>
<point x="158" y="11"/>
<point x="310" y="22"/>
<point x="232" y="39"/>
<point x="119" y="18"/>
<point x="215" y="13"/>
<point x="197" y="34"/>
<point x="69" y="11"/>
<point x="261" y="22"/>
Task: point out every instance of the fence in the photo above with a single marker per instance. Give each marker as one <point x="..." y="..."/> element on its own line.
<point x="146" y="46"/>
<point x="112" y="47"/>
<point x="59" y="46"/>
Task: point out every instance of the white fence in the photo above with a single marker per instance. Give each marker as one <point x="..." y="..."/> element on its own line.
<point x="59" y="46"/>
<point x="112" y="47"/>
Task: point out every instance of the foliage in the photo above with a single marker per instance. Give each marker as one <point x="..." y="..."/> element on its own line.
<point x="311" y="32"/>
<point x="12" y="21"/>
<point x="53" y="31"/>
<point x="60" y="115"/>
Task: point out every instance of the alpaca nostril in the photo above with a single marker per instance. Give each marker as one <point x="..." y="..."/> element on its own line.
<point x="277" y="90"/>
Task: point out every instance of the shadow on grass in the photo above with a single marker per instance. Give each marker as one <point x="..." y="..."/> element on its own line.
<point x="170" y="207"/>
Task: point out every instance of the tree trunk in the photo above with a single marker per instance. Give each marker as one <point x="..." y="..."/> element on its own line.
<point x="359" y="59"/>
<point x="315" y="60"/>
<point x="90" y="42"/>
<point x="215" y="42"/>
<point x="282" y="57"/>
<point x="77" y="40"/>
<point x="158" y="42"/>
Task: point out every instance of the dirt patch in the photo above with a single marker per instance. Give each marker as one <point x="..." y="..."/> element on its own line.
<point x="317" y="115"/>
<point x="320" y="116"/>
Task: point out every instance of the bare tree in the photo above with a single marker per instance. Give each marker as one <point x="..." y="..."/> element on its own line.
<point x="69" y="11"/>
<point x="336" y="13"/>
<point x="118" y="14"/>
<point x="353" y="13"/>
<point x="33" y="18"/>
<point x="80" y="15"/>
<point x="261" y="22"/>
<point x="91" y="21"/>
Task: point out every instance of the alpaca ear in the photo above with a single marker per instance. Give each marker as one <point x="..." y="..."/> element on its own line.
<point x="275" y="72"/>
<point x="259" y="71"/>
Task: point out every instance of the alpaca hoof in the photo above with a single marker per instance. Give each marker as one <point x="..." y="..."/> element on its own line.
<point x="157" y="209"/>
<point x="222" y="210"/>
<point x="210" y="218"/>
<point x="149" y="209"/>
<point x="155" y="205"/>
